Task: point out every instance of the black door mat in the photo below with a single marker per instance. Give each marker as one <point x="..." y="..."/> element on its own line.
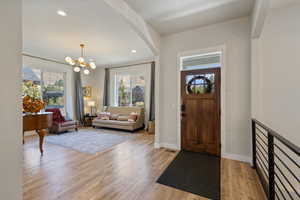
<point x="196" y="173"/>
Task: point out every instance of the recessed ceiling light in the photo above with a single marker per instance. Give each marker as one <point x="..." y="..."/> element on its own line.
<point x="61" y="13"/>
<point x="133" y="51"/>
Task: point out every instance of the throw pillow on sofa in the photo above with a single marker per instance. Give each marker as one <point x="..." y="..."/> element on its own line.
<point x="114" y="116"/>
<point x="133" y="117"/>
<point x="104" y="116"/>
<point x="123" y="118"/>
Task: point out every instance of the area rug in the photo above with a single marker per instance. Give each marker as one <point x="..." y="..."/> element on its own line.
<point x="89" y="141"/>
<point x="196" y="173"/>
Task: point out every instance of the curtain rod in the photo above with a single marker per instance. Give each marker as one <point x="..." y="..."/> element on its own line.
<point x="45" y="59"/>
<point x="129" y="65"/>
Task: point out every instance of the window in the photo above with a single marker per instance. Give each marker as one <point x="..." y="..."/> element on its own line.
<point x="129" y="88"/>
<point x="200" y="84"/>
<point x="203" y="61"/>
<point x="53" y="89"/>
<point x="48" y="86"/>
<point x="32" y="83"/>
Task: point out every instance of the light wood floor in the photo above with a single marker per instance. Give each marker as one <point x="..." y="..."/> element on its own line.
<point x="127" y="171"/>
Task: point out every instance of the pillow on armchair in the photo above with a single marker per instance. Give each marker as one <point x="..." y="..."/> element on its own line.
<point x="68" y="118"/>
<point x="60" y="124"/>
<point x="57" y="116"/>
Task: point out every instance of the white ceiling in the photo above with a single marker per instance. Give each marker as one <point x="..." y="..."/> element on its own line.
<point x="108" y="38"/>
<point x="281" y="3"/>
<point x="171" y="16"/>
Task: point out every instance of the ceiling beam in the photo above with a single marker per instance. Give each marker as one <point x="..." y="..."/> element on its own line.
<point x="150" y="36"/>
<point x="260" y="11"/>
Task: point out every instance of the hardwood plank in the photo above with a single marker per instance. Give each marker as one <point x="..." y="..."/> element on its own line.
<point x="127" y="171"/>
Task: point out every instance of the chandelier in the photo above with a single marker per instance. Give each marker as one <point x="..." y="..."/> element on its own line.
<point x="80" y="63"/>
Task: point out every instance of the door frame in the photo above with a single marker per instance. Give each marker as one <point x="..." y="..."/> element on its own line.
<point x="221" y="48"/>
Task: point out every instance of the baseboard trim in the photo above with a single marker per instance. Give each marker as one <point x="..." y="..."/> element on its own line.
<point x="166" y="145"/>
<point x="237" y="157"/>
<point x="224" y="155"/>
<point x="156" y="145"/>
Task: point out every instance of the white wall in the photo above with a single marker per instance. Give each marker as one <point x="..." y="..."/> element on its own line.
<point x="56" y="67"/>
<point x="96" y="81"/>
<point x="275" y="72"/>
<point x="235" y="35"/>
<point x="10" y="101"/>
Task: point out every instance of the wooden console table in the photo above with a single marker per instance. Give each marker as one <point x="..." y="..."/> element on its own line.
<point x="37" y="122"/>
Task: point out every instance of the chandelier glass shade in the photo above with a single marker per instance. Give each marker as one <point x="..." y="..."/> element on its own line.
<point x="80" y="63"/>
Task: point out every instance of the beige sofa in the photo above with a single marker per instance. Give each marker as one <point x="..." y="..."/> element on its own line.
<point x="125" y="125"/>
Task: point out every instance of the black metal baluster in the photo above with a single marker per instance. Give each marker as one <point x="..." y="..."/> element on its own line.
<point x="267" y="171"/>
<point x="271" y="195"/>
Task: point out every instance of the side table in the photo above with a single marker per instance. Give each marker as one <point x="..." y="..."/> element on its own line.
<point x="88" y="120"/>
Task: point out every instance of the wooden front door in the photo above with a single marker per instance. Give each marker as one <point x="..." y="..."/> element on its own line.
<point x="200" y="110"/>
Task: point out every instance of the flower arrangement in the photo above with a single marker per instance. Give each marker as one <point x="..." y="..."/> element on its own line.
<point x="32" y="100"/>
<point x="31" y="89"/>
<point x="32" y="105"/>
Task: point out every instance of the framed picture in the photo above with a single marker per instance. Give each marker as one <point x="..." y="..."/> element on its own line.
<point x="87" y="91"/>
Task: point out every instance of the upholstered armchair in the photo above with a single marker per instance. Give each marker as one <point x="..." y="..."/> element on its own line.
<point x="60" y="124"/>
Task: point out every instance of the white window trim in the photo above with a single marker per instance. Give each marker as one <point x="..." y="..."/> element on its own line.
<point x="42" y="70"/>
<point x="114" y="99"/>
<point x="65" y="85"/>
<point x="56" y="67"/>
<point x="144" y="68"/>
